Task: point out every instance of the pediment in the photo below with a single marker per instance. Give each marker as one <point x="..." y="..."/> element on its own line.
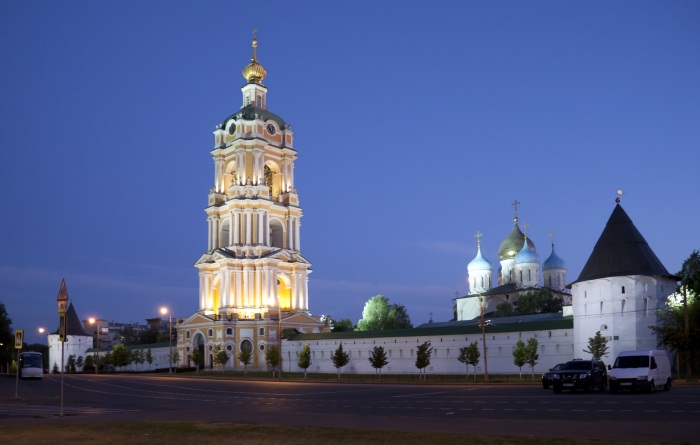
<point x="197" y="318"/>
<point x="287" y="256"/>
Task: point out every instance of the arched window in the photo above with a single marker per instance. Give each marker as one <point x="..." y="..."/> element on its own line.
<point x="246" y="345"/>
<point x="646" y="305"/>
<point x="276" y="234"/>
<point x="623" y="289"/>
<point x="601" y="308"/>
<point x="622" y="306"/>
<point x="225" y="231"/>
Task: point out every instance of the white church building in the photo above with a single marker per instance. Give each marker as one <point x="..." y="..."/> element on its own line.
<point x="253" y="278"/>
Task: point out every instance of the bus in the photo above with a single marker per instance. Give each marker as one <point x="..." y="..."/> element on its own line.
<point x="31" y="365"/>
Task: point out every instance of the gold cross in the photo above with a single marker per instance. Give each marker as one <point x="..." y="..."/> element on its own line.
<point x="515" y="204"/>
<point x="525" y="226"/>
<point x="254" y="31"/>
<point x="552" y="235"/>
<point x="478" y="238"/>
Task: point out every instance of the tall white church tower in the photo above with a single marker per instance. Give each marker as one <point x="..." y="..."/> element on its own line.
<point x="253" y="271"/>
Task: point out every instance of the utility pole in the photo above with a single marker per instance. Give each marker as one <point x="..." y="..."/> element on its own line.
<point x="483" y="337"/>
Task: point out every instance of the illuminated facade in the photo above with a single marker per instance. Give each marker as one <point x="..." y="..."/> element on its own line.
<point x="252" y="271"/>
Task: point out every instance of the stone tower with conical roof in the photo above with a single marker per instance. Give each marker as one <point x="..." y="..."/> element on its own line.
<point x="252" y="272"/>
<point x="620" y="289"/>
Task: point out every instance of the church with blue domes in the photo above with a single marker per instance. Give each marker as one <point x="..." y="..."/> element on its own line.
<point x="519" y="272"/>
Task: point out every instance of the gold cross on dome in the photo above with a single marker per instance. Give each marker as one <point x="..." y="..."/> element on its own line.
<point x="525" y="226"/>
<point x="478" y="238"/>
<point x="552" y="235"/>
<point x="515" y="204"/>
<point x="255" y="30"/>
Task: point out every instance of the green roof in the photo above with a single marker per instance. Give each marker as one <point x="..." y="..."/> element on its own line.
<point x="248" y="113"/>
<point x="455" y="328"/>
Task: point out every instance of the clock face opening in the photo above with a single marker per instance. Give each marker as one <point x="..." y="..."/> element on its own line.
<point x="271" y="129"/>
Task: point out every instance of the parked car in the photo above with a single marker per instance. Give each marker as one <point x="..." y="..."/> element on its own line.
<point x="580" y="374"/>
<point x="547" y="376"/>
<point x="645" y="370"/>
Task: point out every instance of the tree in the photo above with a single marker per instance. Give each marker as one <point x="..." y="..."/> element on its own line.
<point x="342" y="325"/>
<point x="220" y="356"/>
<point x="505" y="309"/>
<point x="120" y="356"/>
<point x="137" y="357"/>
<point x="340" y="358"/>
<point x="597" y="346"/>
<point x="197" y="358"/>
<point x="149" y="357"/>
<point x="70" y="363"/>
<point x="531" y="354"/>
<point x="80" y="362"/>
<point x="378" y="314"/>
<point x="304" y="360"/>
<point x="470" y="355"/>
<point x="540" y="301"/>
<point x="246" y="357"/>
<point x="174" y="358"/>
<point x="149" y="336"/>
<point x="378" y="359"/>
<point x="129" y="336"/>
<point x="89" y="363"/>
<point x="423" y="353"/>
<point x="54" y="369"/>
<point x="519" y="356"/>
<point x="274" y="359"/>
<point x="6" y="338"/>
<point x="678" y="328"/>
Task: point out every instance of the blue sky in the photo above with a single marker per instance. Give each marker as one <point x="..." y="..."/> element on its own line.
<point x="417" y="124"/>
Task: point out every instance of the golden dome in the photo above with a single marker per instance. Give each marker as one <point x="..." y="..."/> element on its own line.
<point x="254" y="72"/>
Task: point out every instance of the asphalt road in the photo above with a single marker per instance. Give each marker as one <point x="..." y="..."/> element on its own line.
<point x="473" y="409"/>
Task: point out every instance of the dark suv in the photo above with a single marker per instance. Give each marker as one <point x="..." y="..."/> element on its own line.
<point x="580" y="374"/>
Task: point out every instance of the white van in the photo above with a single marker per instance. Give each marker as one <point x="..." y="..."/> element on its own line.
<point x="645" y="370"/>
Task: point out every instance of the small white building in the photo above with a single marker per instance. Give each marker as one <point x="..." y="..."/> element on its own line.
<point x="77" y="341"/>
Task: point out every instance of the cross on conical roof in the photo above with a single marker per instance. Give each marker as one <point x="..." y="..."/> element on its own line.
<point x="621" y="250"/>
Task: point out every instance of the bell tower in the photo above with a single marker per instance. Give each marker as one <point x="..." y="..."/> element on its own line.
<point x="253" y="279"/>
<point x="253" y="263"/>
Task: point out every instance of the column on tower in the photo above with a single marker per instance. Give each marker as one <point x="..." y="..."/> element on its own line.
<point x="239" y="287"/>
<point x="306" y="292"/>
<point x="260" y="213"/>
<point x="224" y="280"/>
<point x="209" y="240"/>
<point x="215" y="232"/>
<point x="258" y="287"/>
<point x="297" y="241"/>
<point x="236" y="226"/>
<point x="250" y="291"/>
<point x="248" y="226"/>
<point x="256" y="162"/>
<point x="290" y="238"/>
<point x="202" y="291"/>
<point x="218" y="177"/>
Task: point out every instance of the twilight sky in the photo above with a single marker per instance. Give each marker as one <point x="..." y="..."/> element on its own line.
<point x="417" y="124"/>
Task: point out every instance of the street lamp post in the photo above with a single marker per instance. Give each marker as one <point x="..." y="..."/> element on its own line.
<point x="164" y="310"/>
<point x="483" y="337"/>
<point x="92" y="321"/>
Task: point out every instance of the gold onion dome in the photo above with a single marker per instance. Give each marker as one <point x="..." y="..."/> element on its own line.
<point x="254" y="72"/>
<point x="514" y="244"/>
